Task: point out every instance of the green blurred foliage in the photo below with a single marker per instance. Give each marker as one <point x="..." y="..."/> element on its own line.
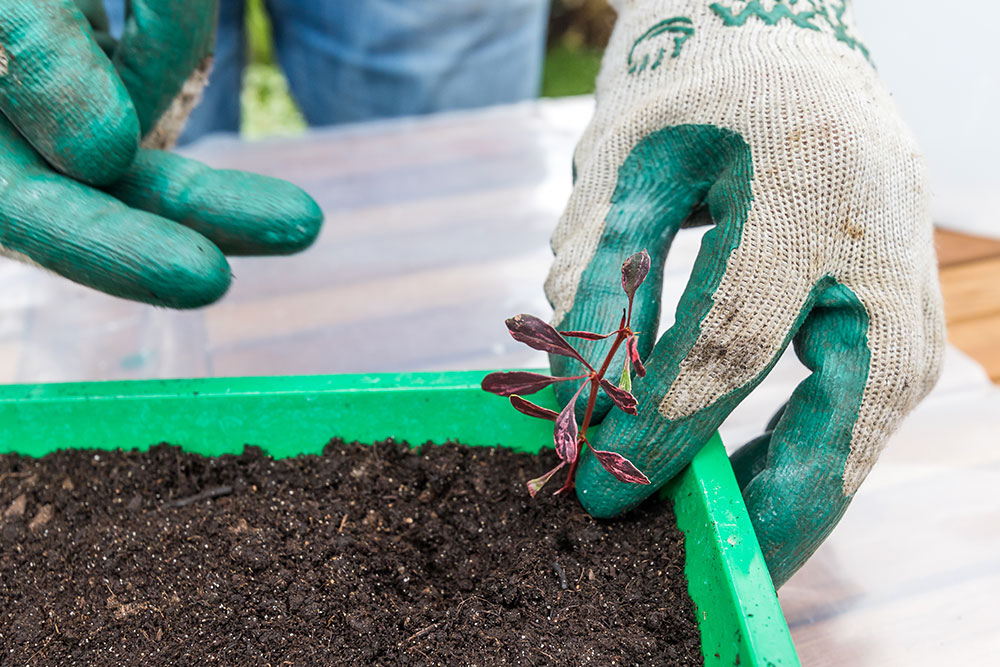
<point x="570" y="70"/>
<point x="578" y="32"/>
<point x="260" y="48"/>
<point x="266" y="105"/>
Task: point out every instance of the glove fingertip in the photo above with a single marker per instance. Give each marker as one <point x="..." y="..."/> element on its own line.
<point x="250" y="214"/>
<point x="299" y="222"/>
<point x="201" y="276"/>
<point x="240" y="212"/>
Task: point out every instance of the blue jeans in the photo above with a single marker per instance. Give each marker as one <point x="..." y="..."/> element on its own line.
<point x="352" y="60"/>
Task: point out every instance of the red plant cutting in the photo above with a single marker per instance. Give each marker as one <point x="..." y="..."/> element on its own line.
<point x="569" y="436"/>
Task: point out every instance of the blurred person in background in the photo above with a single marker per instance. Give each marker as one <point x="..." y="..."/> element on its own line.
<point x="355" y="61"/>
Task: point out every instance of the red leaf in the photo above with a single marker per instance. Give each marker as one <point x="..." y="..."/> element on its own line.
<point x="566" y="430"/>
<point x="532" y="410"/>
<point x="634" y="271"/>
<point x="516" y="382"/>
<point x="586" y="335"/>
<point x="621" y="468"/>
<point x="535" y="485"/>
<point x="633" y="352"/>
<point x="540" y="335"/>
<point x="621" y="398"/>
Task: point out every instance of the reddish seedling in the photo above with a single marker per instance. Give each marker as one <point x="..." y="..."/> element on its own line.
<point x="569" y="436"/>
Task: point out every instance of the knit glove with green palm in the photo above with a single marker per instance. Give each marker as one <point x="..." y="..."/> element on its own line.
<point x="768" y="116"/>
<point x="80" y="197"/>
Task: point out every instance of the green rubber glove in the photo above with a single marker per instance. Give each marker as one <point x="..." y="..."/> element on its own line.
<point x="157" y="228"/>
<point x="767" y="116"/>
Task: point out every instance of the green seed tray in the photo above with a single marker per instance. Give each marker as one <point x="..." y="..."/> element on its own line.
<point x="737" y="609"/>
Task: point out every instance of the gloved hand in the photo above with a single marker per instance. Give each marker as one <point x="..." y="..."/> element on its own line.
<point x="72" y="121"/>
<point x="767" y="116"/>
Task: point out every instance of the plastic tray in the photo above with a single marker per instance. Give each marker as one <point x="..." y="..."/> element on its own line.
<point x="736" y="606"/>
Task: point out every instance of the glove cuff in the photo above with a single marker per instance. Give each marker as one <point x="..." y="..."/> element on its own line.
<point x="688" y="19"/>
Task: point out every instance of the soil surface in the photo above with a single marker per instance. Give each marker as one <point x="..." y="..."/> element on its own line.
<point x="362" y="556"/>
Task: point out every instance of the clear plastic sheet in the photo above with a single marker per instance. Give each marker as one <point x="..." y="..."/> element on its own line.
<point x="437" y="230"/>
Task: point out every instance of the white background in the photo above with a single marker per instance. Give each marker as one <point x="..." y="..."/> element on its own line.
<point x="940" y="59"/>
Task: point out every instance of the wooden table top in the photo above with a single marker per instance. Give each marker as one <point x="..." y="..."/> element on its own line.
<point x="970" y="281"/>
<point x="436" y="230"/>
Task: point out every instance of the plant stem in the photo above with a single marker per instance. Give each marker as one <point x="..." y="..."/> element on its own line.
<point x="622" y="337"/>
<point x="595" y="386"/>
<point x="595" y="381"/>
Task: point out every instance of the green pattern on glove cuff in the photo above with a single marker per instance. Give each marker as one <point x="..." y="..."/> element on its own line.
<point x="809" y="15"/>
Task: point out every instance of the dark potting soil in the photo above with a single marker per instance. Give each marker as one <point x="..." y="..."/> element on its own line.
<point x="362" y="556"/>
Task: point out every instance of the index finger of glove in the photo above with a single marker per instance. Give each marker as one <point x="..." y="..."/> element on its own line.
<point x="738" y="312"/>
<point x="92" y="238"/>
<point x="162" y="44"/>
<point x="240" y="212"/>
<point x="61" y="92"/>
<point x="658" y="185"/>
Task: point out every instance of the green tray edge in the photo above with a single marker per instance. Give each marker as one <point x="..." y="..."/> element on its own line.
<point x="735" y="600"/>
<point x="738" y="611"/>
